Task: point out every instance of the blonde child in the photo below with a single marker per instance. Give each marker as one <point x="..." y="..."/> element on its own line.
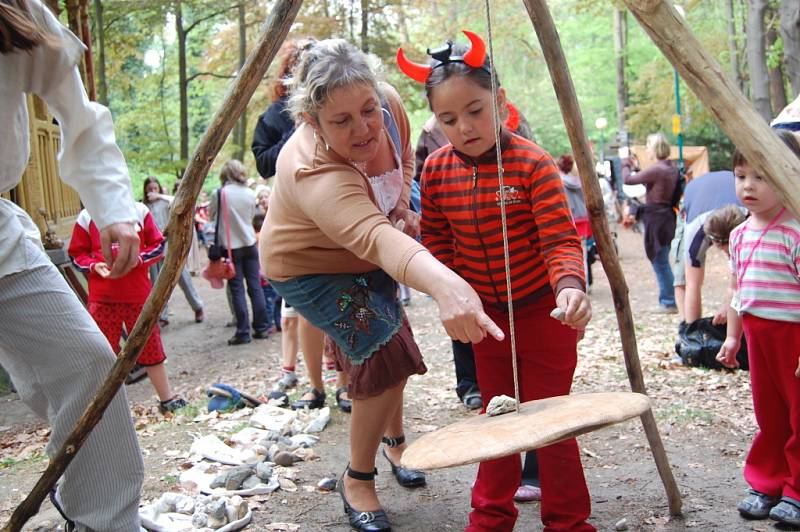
<point x="117" y="302"/>
<point x="765" y="265"/>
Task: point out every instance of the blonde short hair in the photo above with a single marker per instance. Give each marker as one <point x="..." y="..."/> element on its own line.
<point x="659" y="144"/>
<point x="234" y="171"/>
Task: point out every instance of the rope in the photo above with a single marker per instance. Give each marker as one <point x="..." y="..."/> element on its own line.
<point x="496" y="117"/>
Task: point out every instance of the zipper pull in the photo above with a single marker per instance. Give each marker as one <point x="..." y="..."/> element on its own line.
<point x="474" y="175"/>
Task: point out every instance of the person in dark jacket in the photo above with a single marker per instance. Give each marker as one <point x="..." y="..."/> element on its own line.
<point x="275" y="126"/>
<point x="658" y="216"/>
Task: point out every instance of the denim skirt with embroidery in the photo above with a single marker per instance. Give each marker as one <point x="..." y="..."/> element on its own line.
<point x="361" y="314"/>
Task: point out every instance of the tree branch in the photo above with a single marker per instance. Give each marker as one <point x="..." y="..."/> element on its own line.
<point x="191" y="26"/>
<point x="211" y="74"/>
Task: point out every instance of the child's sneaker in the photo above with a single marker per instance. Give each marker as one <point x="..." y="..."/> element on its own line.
<point x="787" y="512"/>
<point x="287" y="381"/>
<point x="756" y="505"/>
<point x="171" y="405"/>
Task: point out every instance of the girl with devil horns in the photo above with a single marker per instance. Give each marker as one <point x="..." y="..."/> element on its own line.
<point x="461" y="226"/>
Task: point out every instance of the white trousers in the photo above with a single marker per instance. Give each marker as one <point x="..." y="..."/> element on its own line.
<point x="57" y="359"/>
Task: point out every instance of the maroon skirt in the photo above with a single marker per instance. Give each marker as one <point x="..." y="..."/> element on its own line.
<point x="390" y="365"/>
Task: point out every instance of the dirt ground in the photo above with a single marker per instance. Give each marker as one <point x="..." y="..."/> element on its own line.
<point x="705" y="418"/>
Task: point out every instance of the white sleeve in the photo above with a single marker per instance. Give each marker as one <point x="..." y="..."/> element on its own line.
<point x="90" y="160"/>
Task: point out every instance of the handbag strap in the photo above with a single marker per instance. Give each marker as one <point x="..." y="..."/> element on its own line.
<point x="216" y="224"/>
<point x="227" y="224"/>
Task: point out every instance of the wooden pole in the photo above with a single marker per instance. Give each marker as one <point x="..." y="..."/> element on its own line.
<point x="735" y="115"/>
<point x="179" y="229"/>
<point x="567" y="99"/>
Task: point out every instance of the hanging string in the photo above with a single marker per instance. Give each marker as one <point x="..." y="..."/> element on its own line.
<point x="496" y="116"/>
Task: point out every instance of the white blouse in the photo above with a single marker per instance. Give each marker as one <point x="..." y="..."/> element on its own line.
<point x="90" y="160"/>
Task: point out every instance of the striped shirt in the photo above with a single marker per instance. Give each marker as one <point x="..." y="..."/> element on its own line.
<point x="461" y="223"/>
<point x="770" y="285"/>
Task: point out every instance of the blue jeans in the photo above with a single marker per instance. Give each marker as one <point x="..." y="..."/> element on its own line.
<point x="247" y="270"/>
<point x="666" y="290"/>
<point x="270" y="295"/>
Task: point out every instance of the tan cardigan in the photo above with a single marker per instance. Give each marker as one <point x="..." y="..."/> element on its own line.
<point x="322" y="216"/>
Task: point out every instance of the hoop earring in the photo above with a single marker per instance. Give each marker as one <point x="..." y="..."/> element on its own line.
<point x="323" y="140"/>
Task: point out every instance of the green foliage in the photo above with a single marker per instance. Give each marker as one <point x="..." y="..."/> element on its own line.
<point x="142" y="67"/>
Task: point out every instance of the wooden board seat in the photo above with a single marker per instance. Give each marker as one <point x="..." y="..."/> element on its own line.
<point x="538" y="424"/>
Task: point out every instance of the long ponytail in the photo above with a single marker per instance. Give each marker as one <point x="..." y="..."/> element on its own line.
<point x="18" y="29"/>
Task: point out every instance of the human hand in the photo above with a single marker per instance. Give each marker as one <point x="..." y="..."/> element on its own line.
<point x="101" y="269"/>
<point x="721" y="317"/>
<point x="153" y="196"/>
<point x="124" y="234"/>
<point x="727" y="353"/>
<point x="405" y="220"/>
<point x="797" y="371"/>
<point x="462" y="314"/>
<point x="576" y="306"/>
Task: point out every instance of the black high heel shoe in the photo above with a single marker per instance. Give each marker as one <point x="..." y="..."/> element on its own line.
<point x="408" y="478"/>
<point x="366" y="521"/>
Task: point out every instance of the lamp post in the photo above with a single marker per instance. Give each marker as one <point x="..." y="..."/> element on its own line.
<point x="676" y="118"/>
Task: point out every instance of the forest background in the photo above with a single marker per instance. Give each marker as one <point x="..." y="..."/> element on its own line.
<point x="163" y="66"/>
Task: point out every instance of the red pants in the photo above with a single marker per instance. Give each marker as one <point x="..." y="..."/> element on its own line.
<point x="773" y="463"/>
<point x="110" y="318"/>
<point x="546" y="355"/>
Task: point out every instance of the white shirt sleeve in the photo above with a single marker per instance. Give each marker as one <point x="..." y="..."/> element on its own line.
<point x="90" y="160"/>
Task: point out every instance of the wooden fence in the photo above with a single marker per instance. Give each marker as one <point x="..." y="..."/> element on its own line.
<point x="41" y="187"/>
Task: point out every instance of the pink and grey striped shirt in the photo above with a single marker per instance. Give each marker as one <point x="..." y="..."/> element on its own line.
<point x="769" y="287"/>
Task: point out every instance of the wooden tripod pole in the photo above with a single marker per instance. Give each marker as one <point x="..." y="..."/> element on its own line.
<point x="732" y="111"/>
<point x="179" y="230"/>
<point x="567" y="99"/>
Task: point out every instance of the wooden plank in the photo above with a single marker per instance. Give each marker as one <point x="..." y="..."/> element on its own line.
<point x="538" y="424"/>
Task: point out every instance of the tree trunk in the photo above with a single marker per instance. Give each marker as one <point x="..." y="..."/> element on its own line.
<point x="733" y="47"/>
<point x="620" y="51"/>
<point x="757" y="58"/>
<point x="365" y="25"/>
<point x="53" y="5"/>
<point x="100" y="31"/>
<point x="74" y="22"/>
<point x="241" y="128"/>
<point x="790" y="33"/>
<point x="183" y="85"/>
<point x="777" y="89"/>
<point x="88" y="59"/>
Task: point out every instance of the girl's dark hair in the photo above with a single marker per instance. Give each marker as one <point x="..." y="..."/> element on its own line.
<point x="785" y="135"/>
<point x="258" y="221"/>
<point x="440" y="74"/>
<point x="292" y="50"/>
<point x="147" y="181"/>
<point x="18" y="29"/>
<point x="565" y="163"/>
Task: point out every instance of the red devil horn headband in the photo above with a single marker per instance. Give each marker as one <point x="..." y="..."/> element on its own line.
<point x="419" y="72"/>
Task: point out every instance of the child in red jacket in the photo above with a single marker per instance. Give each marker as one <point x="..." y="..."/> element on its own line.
<point x="117" y="302"/>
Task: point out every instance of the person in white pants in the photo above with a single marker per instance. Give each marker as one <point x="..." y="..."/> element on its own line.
<point x="55" y="354"/>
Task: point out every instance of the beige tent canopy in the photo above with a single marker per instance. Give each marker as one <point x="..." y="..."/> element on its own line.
<point x="696" y="158"/>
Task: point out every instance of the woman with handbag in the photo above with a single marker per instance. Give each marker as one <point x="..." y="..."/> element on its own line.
<point x="232" y="208"/>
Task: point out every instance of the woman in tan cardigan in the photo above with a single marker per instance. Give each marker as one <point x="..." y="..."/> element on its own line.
<point x="331" y="247"/>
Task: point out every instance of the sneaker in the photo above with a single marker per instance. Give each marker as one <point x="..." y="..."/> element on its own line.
<point x="238" y="340"/>
<point x="287" y="381"/>
<point x="473" y="401"/>
<point x="138" y="373"/>
<point x="787" y="512"/>
<point x="199" y="316"/>
<point x="756" y="505"/>
<point x="261" y="335"/>
<point x="171" y="405"/>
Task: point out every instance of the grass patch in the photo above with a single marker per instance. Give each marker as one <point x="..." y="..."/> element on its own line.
<point x="684" y="414"/>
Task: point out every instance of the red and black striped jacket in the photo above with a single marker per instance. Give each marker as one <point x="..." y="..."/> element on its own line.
<point x="461" y="223"/>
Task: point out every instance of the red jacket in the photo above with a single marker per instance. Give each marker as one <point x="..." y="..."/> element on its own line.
<point x="461" y="223"/>
<point x="85" y="251"/>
